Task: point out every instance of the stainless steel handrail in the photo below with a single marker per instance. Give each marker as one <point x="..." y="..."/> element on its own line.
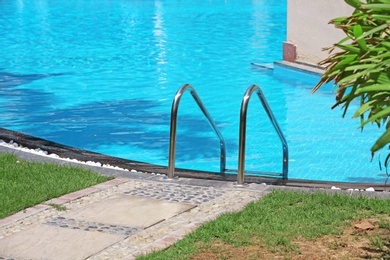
<point x="172" y="138"/>
<point x="241" y="148"/>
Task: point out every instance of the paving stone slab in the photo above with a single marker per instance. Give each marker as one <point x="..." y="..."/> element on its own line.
<point x="51" y="242"/>
<point x="130" y="211"/>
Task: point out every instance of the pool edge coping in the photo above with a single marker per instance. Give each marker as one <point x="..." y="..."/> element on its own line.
<point x="145" y="171"/>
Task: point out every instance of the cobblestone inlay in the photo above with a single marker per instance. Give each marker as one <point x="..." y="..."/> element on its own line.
<point x="92" y="226"/>
<point x="177" y="193"/>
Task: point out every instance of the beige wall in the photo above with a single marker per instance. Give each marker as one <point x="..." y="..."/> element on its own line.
<point x="308" y="28"/>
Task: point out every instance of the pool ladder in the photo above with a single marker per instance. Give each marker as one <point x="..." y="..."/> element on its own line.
<point x="242" y="138"/>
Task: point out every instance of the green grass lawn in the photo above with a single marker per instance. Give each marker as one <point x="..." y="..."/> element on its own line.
<point x="24" y="184"/>
<point x="276" y="220"/>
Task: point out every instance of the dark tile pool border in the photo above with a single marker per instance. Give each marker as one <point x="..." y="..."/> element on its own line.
<point x="146" y="170"/>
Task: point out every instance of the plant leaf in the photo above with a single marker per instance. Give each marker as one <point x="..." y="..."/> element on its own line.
<point x="364" y="108"/>
<point x="372" y="31"/>
<point x="375" y="87"/>
<point x="380" y="17"/>
<point x="358" y="67"/>
<point x="378" y="115"/>
<point x="349" y="47"/>
<point x="354" y="3"/>
<point x="381" y="142"/>
<point x="387" y="160"/>
<point x="357" y="32"/>
<point x="351" y="78"/>
<point x="377" y="7"/>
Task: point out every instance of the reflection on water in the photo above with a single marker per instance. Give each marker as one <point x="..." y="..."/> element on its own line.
<point x="10" y="80"/>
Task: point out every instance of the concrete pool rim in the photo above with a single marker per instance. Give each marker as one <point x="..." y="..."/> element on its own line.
<point x="133" y="169"/>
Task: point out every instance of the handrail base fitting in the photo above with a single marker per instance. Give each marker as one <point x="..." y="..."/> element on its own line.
<point x="239" y="186"/>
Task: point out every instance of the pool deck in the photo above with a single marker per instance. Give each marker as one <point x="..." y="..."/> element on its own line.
<point x="119" y="219"/>
<point x="134" y="214"/>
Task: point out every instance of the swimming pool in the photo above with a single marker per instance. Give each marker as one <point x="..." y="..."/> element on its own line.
<point x="101" y="75"/>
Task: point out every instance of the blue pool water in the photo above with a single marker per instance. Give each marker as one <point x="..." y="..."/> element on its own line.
<point x="101" y="75"/>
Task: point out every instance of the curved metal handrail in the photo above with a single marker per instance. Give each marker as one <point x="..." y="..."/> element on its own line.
<point x="241" y="148"/>
<point x="172" y="138"/>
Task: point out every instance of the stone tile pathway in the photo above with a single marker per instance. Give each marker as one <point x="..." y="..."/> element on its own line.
<point x="119" y="219"/>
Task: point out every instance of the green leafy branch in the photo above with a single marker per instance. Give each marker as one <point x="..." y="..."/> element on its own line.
<point x="360" y="68"/>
